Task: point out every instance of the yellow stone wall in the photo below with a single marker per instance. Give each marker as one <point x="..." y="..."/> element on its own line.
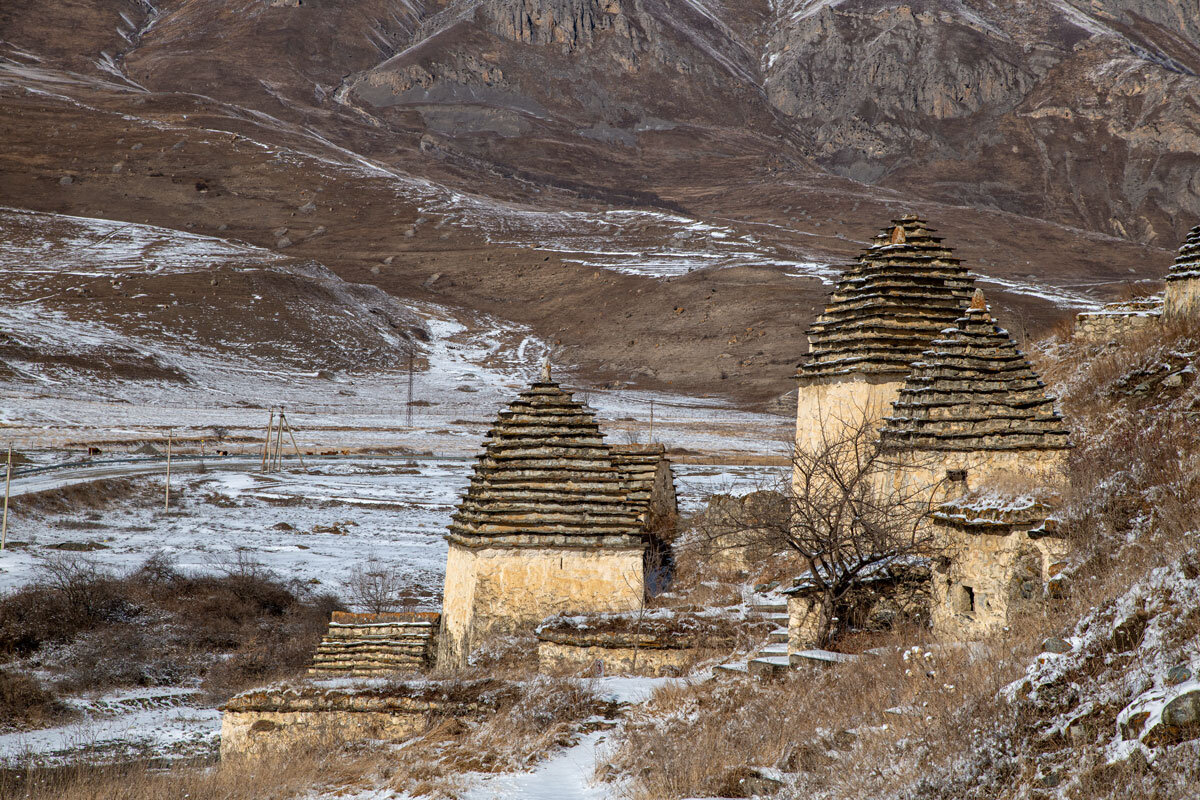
<point x="490" y="589"/>
<point x="1007" y="576"/>
<point x="926" y="471"/>
<point x="251" y="733"/>
<point x="824" y="409"/>
<point x="805" y="617"/>
<point x="1182" y="299"/>
<point x="582" y="659"/>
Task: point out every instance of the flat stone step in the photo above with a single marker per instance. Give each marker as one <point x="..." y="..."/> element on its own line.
<point x="822" y="657"/>
<point x="779" y="635"/>
<point x="769" y="666"/>
<point x="770" y="608"/>
<point x="774" y="649"/>
<point x="733" y="668"/>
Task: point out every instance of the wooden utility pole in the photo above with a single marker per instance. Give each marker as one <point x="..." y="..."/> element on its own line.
<point x="279" y="442"/>
<point x="267" y="441"/>
<point x="7" y="484"/>
<point x="408" y="411"/>
<point x="292" y="436"/>
<point x="167" y="495"/>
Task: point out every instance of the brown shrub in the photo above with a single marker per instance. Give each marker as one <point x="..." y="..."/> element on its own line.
<point x="156" y="626"/>
<point x="25" y="704"/>
<point x="289" y="774"/>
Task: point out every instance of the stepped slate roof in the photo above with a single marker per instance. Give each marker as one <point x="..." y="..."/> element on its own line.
<point x="973" y="390"/>
<point x="546" y="478"/>
<point x="639" y="464"/>
<point x="885" y="309"/>
<point x="1187" y="263"/>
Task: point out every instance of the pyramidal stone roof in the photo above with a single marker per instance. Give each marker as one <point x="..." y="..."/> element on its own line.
<point x="1187" y="263"/>
<point x="885" y="309"/>
<point x="546" y="478"/>
<point x="973" y="390"/>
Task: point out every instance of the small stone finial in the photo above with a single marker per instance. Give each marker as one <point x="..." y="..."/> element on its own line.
<point x="546" y="370"/>
<point x="977" y="302"/>
<point x="897" y="236"/>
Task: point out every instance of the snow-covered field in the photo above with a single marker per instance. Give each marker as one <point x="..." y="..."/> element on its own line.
<point x="314" y="527"/>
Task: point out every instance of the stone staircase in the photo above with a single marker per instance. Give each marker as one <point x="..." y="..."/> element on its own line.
<point x="773" y="658"/>
<point x="774" y="652"/>
<point x="371" y="645"/>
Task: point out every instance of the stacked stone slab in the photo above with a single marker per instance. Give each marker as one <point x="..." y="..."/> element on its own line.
<point x="1182" y="297"/>
<point x="1001" y="560"/>
<point x="904" y="289"/>
<point x="546" y="525"/>
<point x="367" y="645"/>
<point x="650" y="483"/>
<point x="972" y="409"/>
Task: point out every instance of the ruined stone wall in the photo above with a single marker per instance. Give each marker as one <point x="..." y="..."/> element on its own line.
<point x="990" y="580"/>
<point x="504" y="589"/>
<point x="826" y="408"/>
<point x="253" y="733"/>
<point x="615" y="659"/>
<point x="1118" y="319"/>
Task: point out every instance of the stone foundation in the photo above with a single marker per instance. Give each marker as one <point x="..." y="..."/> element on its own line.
<point x="615" y="659"/>
<point x="493" y="589"/>
<point x="660" y="643"/>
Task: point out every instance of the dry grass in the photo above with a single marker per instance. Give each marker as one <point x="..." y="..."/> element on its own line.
<point x="295" y="773"/>
<point x="1135" y="477"/>
<point x="546" y="714"/>
<point x="698" y="740"/>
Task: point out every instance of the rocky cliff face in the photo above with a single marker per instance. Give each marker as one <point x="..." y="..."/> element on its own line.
<point x="1040" y="109"/>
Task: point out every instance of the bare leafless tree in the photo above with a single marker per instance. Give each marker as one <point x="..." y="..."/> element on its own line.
<point x="379" y="587"/>
<point x="841" y="511"/>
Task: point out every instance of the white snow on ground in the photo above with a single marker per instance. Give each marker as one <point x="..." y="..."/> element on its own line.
<point x="312" y="527"/>
<point x="666" y="244"/>
<point x="157" y="723"/>
<point x="88" y="246"/>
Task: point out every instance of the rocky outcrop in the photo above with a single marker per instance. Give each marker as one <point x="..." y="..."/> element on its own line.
<point x="996" y="102"/>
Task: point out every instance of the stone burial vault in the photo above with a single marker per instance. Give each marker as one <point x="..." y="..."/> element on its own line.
<point x="881" y="315"/>
<point x="972" y="412"/>
<point x="1181" y="300"/>
<point x="552" y="522"/>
